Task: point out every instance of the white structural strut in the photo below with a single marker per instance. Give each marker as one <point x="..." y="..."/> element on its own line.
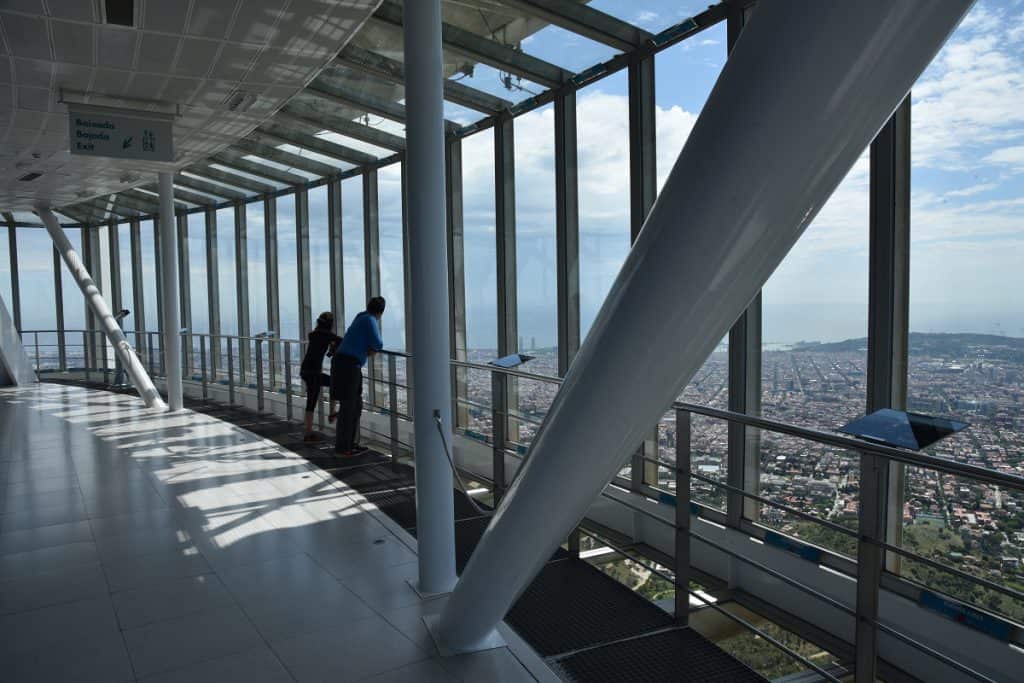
<point x="15" y="366"/>
<point x="171" y="343"/>
<point x="804" y="91"/>
<point x="428" y="270"/>
<point x="94" y="298"/>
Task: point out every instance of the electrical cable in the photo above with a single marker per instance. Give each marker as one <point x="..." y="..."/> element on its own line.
<point x="455" y="471"/>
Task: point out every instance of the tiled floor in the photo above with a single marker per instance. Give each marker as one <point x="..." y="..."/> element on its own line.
<point x="156" y="547"/>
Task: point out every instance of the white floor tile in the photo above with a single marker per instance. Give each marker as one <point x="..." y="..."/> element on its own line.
<point x="254" y="666"/>
<point x="363" y="648"/>
<point x="170" y="599"/>
<point x="175" y="643"/>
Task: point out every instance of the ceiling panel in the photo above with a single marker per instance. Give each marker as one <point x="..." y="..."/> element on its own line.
<point x="27" y="36"/>
<point x="190" y="56"/>
<point x="72" y="42"/>
<point x="168" y="16"/>
<point x="212" y="21"/>
<point x="116" y="46"/>
<point x="80" y="10"/>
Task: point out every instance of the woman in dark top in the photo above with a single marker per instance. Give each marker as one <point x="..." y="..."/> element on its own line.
<point x="322" y="342"/>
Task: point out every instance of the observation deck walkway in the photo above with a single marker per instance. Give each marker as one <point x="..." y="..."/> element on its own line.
<point x="585" y="625"/>
<point x="178" y="547"/>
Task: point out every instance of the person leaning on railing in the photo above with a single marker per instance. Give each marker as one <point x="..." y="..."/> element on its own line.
<point x="322" y="342"/>
<point x="362" y="339"/>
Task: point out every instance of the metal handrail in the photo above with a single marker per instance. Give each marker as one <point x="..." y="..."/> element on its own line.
<point x="849" y="443"/>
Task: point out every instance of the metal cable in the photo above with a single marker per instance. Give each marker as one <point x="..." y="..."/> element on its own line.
<point x="455" y="470"/>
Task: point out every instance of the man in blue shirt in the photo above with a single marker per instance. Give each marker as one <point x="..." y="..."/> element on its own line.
<point x="362" y="339"/>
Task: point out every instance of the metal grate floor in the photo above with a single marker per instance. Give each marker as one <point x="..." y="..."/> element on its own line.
<point x="678" y="655"/>
<point x="572" y="605"/>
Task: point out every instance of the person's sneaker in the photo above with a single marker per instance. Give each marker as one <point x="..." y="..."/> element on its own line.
<point x="331" y="417"/>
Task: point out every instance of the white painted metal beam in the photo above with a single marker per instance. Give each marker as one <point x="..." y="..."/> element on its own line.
<point x="94" y="298"/>
<point x="822" y="78"/>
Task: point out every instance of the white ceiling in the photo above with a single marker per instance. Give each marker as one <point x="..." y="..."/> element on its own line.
<point x="192" y="53"/>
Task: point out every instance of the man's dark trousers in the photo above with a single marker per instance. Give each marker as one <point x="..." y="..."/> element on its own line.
<point x="347" y="387"/>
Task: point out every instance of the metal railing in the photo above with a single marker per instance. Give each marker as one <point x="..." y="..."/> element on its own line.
<point x="265" y="365"/>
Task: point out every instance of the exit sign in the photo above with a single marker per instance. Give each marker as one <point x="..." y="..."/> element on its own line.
<point x="120" y="134"/>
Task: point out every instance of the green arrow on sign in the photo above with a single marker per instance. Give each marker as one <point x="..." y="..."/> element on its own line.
<point x="127" y="143"/>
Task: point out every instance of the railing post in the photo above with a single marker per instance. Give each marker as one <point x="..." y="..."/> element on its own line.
<point x="259" y="374"/>
<point x="288" y="380"/>
<point x="106" y="364"/>
<point x="499" y="416"/>
<point x="38" y="367"/>
<point x="871" y="529"/>
<point x="202" y="364"/>
<point x="149" y="353"/>
<point x="231" y="372"/>
<point x="682" y="521"/>
<point x="85" y="359"/>
<point x="393" y="405"/>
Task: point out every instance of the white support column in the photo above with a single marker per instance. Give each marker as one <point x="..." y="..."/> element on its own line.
<point x="823" y="78"/>
<point x="171" y="343"/>
<point x="425" y="163"/>
<point x="94" y="299"/>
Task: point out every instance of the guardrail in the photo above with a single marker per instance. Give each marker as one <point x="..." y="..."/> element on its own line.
<point x="232" y="360"/>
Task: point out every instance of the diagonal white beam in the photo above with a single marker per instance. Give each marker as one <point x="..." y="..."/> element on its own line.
<point x="94" y="298"/>
<point x="822" y="78"/>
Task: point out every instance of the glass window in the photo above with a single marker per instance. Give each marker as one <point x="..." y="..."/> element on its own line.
<point x="814" y="365"/>
<point x="658" y="15"/>
<point x="319" y="252"/>
<point x="353" y="268"/>
<point x="256" y="254"/>
<point x="38" y="299"/>
<point x="6" y="292"/>
<point x="197" y="273"/>
<point x="815" y="315"/>
<point x="73" y="301"/>
<point x="147" y="248"/>
<point x="392" y="262"/>
<point x="966" y="355"/>
<point x="287" y="271"/>
<point x="678" y="102"/>
<point x="124" y="245"/>
<point x="602" y="115"/>
<point x="479" y="245"/>
<point x="536" y="272"/>
<point x="226" y="271"/>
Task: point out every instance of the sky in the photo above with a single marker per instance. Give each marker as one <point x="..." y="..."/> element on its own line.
<point x="966" y="200"/>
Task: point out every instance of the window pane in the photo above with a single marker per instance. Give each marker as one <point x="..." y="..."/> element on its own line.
<point x="392" y="264"/>
<point x="5" y="270"/>
<point x="352" y="242"/>
<point x="287" y="273"/>
<point x="38" y="299"/>
<point x="319" y="252"/>
<point x="536" y="274"/>
<point x="256" y="254"/>
<point x="147" y="248"/>
<point x="197" y="273"/>
<point x="124" y="245"/>
<point x="479" y="247"/>
<point x="73" y="301"/>
<point x="603" y="160"/>
<point x="816" y="316"/>
<point x="966" y="355"/>
<point x="678" y="103"/>
<point x="226" y="271"/>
